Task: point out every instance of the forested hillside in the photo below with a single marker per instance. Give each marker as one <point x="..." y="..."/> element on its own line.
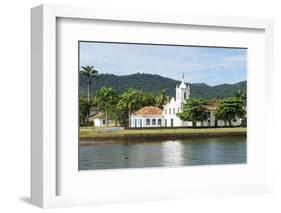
<point x="154" y="83"/>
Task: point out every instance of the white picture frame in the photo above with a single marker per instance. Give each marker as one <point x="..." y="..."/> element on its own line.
<point x="46" y="161"/>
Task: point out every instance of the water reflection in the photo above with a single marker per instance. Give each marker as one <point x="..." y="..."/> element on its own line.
<point x="172" y="153"/>
<point x="139" y="154"/>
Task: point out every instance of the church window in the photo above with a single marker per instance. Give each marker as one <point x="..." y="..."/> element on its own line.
<point x="184" y="95"/>
<point x="170" y="111"/>
<point x="147" y="121"/>
<point x="153" y="121"/>
<point x="166" y="111"/>
<point x="159" y="122"/>
<point x="178" y="110"/>
<point x="174" y="111"/>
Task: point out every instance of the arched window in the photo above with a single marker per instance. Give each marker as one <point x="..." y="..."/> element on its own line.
<point x="153" y="121"/>
<point x="147" y="121"/>
<point x="159" y="122"/>
<point x="184" y="95"/>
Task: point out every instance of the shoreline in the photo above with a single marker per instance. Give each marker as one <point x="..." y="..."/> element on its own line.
<point x="90" y="135"/>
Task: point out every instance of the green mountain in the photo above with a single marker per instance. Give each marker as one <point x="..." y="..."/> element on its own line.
<point x="154" y="83"/>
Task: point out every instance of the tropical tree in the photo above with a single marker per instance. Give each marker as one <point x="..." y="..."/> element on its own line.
<point x="106" y="101"/>
<point x="121" y="115"/>
<point x="193" y="110"/>
<point x="162" y="99"/>
<point x="230" y="109"/>
<point x="84" y="108"/>
<point x="132" y="100"/>
<point x="240" y="94"/>
<point x="89" y="72"/>
<point x="145" y="99"/>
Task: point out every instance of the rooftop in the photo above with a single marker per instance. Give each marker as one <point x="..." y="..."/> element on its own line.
<point x="149" y="110"/>
<point x="99" y="115"/>
<point x="183" y="85"/>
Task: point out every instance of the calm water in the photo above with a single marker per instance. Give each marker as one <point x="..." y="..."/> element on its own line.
<point x="182" y="152"/>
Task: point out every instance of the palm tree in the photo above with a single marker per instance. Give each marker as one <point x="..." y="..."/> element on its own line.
<point x="129" y="100"/>
<point x="106" y="100"/>
<point x="89" y="72"/>
<point x="240" y="94"/>
<point x="162" y="99"/>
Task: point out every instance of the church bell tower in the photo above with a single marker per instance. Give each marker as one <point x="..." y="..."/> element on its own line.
<point x="182" y="91"/>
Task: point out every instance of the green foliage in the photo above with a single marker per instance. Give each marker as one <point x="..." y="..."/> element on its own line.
<point x="84" y="107"/>
<point x="240" y="94"/>
<point x="89" y="72"/>
<point x="154" y="83"/>
<point x="162" y="99"/>
<point x="132" y="100"/>
<point x="193" y="110"/>
<point x="230" y="108"/>
<point x="122" y="117"/>
<point x="106" y="101"/>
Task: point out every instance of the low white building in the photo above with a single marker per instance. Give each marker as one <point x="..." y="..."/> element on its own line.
<point x="151" y="116"/>
<point x="98" y="119"/>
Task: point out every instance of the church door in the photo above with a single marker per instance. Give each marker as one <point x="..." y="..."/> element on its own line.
<point x="172" y="122"/>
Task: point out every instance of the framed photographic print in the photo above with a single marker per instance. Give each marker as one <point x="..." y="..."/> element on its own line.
<point x="130" y="106"/>
<point x="139" y="114"/>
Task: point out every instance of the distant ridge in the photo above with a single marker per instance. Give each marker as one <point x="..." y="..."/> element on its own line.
<point x="154" y="83"/>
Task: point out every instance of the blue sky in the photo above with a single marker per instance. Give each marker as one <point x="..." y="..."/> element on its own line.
<point x="199" y="64"/>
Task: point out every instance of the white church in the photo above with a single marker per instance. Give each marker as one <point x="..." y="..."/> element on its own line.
<point x="151" y="116"/>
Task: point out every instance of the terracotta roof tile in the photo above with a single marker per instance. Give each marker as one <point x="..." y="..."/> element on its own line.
<point x="99" y="115"/>
<point x="149" y="110"/>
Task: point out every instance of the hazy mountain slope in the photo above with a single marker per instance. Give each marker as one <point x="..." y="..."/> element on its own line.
<point x="154" y="83"/>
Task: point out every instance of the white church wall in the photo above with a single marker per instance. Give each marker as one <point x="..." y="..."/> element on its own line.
<point x="142" y="121"/>
<point x="99" y="122"/>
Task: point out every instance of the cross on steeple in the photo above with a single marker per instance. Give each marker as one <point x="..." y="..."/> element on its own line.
<point x="182" y="76"/>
